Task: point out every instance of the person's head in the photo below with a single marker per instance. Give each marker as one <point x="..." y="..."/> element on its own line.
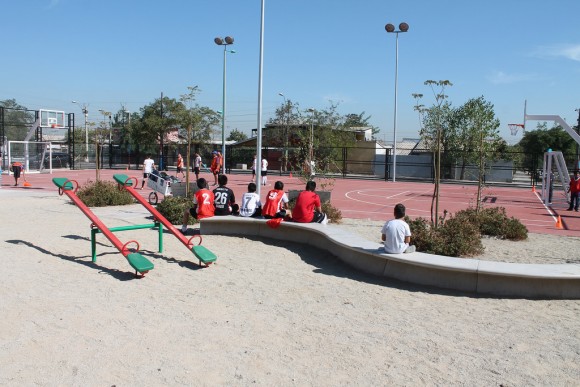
<point x="399" y="211"/>
<point x="252" y="187"/>
<point x="179" y="155"/>
<point x="310" y="185"/>
<point x="214" y="153"/>
<point x="222" y="180"/>
<point x="201" y="183"/>
<point x="279" y="185"/>
<point x="148" y="156"/>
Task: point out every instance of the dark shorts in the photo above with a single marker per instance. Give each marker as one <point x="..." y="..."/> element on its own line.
<point x="279" y="214"/>
<point x="196" y="170"/>
<point x="16" y="169"/>
<point x="179" y="169"/>
<point x="193" y="212"/>
<point x="146" y="175"/>
<point x="318" y="217"/>
<point x="264" y="173"/>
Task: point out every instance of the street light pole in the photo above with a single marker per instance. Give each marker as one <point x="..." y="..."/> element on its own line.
<point x="224" y="42"/>
<point x="310" y="147"/>
<point x="86" y="113"/>
<point x="286" y="131"/>
<point x="403" y="27"/>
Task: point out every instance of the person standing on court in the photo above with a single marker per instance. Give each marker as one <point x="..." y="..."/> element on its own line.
<point x="203" y="204"/>
<point x="180" y="165"/>
<point x="264" y="170"/>
<point x="224" y="198"/>
<point x="396" y="234"/>
<point x="254" y="165"/>
<point x="308" y="208"/>
<point x="17" y="169"/>
<point x="215" y="166"/>
<point x="574" y="190"/>
<point x="196" y="165"/>
<point x="148" y="166"/>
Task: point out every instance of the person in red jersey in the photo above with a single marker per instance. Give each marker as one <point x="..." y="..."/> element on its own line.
<point x="276" y="202"/>
<point x="203" y="204"/>
<point x="574" y="190"/>
<point x="308" y="208"/>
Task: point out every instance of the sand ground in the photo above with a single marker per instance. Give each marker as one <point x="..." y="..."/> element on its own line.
<point x="268" y="313"/>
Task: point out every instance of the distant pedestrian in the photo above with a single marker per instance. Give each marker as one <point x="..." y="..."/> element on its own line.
<point x="17" y="169"/>
<point x="254" y="165"/>
<point x="574" y="190"/>
<point x="264" y="171"/>
<point x="196" y="165"/>
<point x="215" y="166"/>
<point x="180" y="165"/>
<point x="148" y="166"/>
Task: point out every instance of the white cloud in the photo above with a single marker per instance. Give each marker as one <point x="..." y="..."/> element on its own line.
<point x="499" y="77"/>
<point x="568" y="51"/>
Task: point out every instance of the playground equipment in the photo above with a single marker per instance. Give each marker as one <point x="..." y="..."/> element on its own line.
<point x="550" y="158"/>
<point x="159" y="183"/>
<point x="136" y="260"/>
<point x="204" y="255"/>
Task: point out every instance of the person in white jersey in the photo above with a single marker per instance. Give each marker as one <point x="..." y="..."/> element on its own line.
<point x="264" y="170"/>
<point x="396" y="233"/>
<point x="148" y="165"/>
<point x="251" y="206"/>
<point x="196" y="165"/>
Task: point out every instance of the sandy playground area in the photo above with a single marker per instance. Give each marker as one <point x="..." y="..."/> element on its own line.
<point x="268" y="313"/>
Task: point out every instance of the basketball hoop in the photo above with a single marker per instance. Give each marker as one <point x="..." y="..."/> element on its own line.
<point x="514" y="128"/>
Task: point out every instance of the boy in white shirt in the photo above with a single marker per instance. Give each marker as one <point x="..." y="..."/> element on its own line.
<point x="264" y="171"/>
<point x="396" y="233"/>
<point x="251" y="206"/>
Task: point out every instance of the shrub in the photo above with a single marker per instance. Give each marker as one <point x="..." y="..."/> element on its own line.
<point x="457" y="237"/>
<point x="104" y="193"/>
<point x="495" y="222"/>
<point x="172" y="209"/>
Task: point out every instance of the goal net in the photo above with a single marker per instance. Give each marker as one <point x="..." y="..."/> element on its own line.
<point x="35" y="156"/>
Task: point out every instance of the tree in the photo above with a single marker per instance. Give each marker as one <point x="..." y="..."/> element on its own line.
<point x="17" y="120"/>
<point x="436" y="130"/>
<point x="536" y="142"/>
<point x="353" y="120"/>
<point x="156" y="120"/>
<point x="476" y="137"/>
<point x="237" y="136"/>
<point x="199" y="122"/>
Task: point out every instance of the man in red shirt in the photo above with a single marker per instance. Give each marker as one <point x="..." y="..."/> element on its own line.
<point x="307" y="208"/>
<point x="203" y="204"/>
<point x="215" y="166"/>
<point x="574" y="190"/>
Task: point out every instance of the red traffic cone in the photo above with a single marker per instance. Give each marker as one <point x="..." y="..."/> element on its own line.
<point x="559" y="224"/>
<point x="533" y="188"/>
<point x="291" y="174"/>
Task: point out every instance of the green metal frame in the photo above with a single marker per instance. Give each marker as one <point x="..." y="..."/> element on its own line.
<point x="96" y="231"/>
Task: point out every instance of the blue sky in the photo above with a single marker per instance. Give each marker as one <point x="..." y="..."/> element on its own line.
<point x="107" y="53"/>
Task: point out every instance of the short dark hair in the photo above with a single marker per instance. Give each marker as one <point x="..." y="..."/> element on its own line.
<point x="278" y="185"/>
<point x="252" y="187"/>
<point x="222" y="179"/>
<point x="310" y="185"/>
<point x="399" y="211"/>
<point x="201" y="183"/>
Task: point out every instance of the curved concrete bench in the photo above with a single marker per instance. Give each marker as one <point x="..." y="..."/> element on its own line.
<point x="469" y="275"/>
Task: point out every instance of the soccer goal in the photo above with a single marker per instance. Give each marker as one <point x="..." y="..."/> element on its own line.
<point x="35" y="156"/>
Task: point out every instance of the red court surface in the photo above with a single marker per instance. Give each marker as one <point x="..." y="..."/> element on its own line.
<point x="373" y="199"/>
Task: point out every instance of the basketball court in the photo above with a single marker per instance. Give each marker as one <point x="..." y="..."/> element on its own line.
<point x="371" y="199"/>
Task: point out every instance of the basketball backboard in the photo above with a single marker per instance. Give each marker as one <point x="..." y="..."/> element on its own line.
<point x="52" y="119"/>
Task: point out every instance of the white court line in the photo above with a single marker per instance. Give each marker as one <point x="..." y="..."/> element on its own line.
<point x="548" y="209"/>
